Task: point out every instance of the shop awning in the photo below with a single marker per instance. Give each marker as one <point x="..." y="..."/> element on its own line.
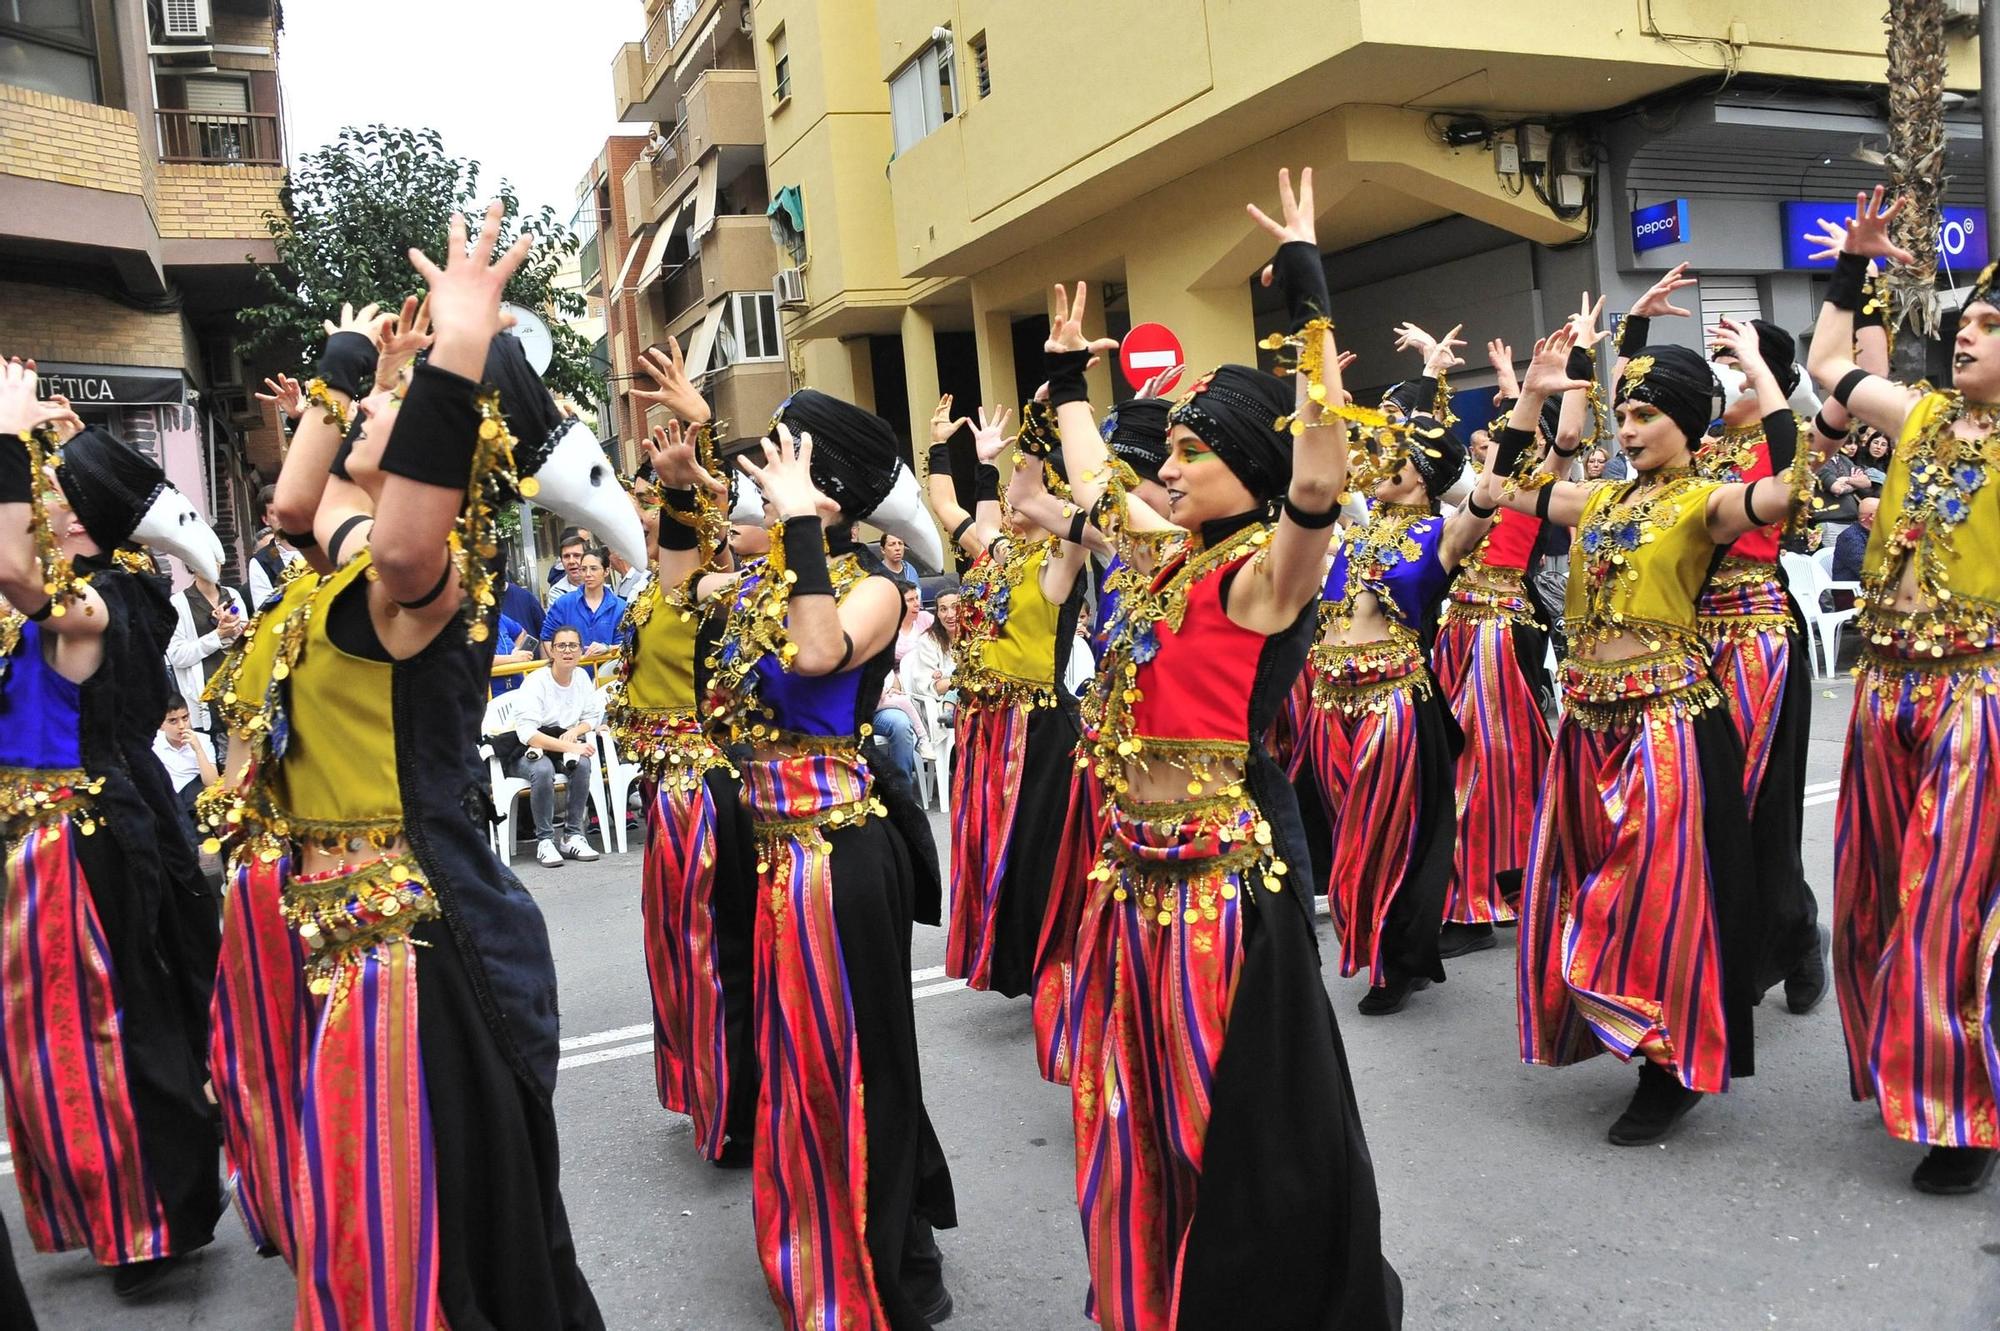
<point x="88" y="385"/>
<point x="656" y="255"/>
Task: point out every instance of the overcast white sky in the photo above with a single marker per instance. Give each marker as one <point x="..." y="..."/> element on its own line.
<point x="521" y="86"/>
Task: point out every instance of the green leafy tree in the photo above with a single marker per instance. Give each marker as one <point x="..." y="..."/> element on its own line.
<point x="352" y="212"/>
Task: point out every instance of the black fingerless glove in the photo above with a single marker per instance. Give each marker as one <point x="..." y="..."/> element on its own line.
<point x="17" y="482"/>
<point x="676" y="520"/>
<point x="1850" y="276"/>
<point x="1064" y="370"/>
<point x="348" y="359"/>
<point x="805" y="557"/>
<point x="1874" y="306"/>
<point x="437" y="431"/>
<point x="986" y="484"/>
<point x="1781" y="433"/>
<point x="1632" y="334"/>
<point x="1511" y="445"/>
<point x="1298" y="271"/>
<point x="940" y="459"/>
<point x="1582" y="365"/>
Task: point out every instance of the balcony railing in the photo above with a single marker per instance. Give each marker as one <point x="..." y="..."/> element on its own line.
<point x="249" y="138"/>
<point x="669" y="26"/>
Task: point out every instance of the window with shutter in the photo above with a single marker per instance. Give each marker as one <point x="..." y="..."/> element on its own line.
<point x="1730" y="296"/>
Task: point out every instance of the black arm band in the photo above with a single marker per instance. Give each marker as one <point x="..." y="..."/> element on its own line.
<point x="805" y="557"/>
<point x="958" y="532"/>
<point x="1781" y="433"/>
<point x="17" y="484"/>
<point x="1749" y="505"/>
<point x="1633" y="333"/>
<point x="846" y="653"/>
<point x="1848" y="383"/>
<point x="340" y="535"/>
<point x="676" y="534"/>
<point x="1548" y="492"/>
<point x="300" y="540"/>
<point x="1077" y="522"/>
<point x="347" y="360"/>
<point x="48" y="608"/>
<point x="1300" y="273"/>
<point x="437" y="431"/>
<point x="1850" y="275"/>
<point x="1310" y="521"/>
<point x="1511" y="446"/>
<point x="940" y="459"/>
<point x="1473" y="507"/>
<point x="1827" y="431"/>
<point x="986" y="484"/>
<point x="1581" y="364"/>
<point x="1562" y="452"/>
<point x="1065" y="374"/>
<point x="433" y="593"/>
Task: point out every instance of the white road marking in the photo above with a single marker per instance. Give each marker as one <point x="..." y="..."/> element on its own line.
<point x="608" y="1037"/>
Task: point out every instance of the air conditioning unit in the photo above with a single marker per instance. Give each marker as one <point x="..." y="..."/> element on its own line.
<point x="790" y="287"/>
<point x="184" y="20"/>
<point x="1961" y="13"/>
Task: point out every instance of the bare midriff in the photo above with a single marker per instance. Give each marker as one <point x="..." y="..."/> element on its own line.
<point x="1365" y="622"/>
<point x="313" y="859"/>
<point x="1163" y="780"/>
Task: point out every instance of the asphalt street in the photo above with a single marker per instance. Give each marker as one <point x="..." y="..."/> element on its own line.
<point x="1781" y="1204"/>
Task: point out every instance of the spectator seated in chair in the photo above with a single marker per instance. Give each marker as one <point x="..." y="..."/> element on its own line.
<point x="558" y="710"/>
<point x="186" y="754"/>
<point x="1848" y="550"/>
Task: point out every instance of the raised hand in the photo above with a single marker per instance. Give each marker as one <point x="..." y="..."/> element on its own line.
<point x="1658" y="302"/>
<point x="676" y="464"/>
<point x="1548" y="372"/>
<point x="287" y="394"/>
<point x="786" y="475"/>
<point x="1409" y="337"/>
<point x="1866" y="233"/>
<point x="1298" y="211"/>
<point x="1066" y="324"/>
<point x="944" y="425"/>
<point x="1157" y="384"/>
<point x="366" y="321"/>
<point x="465" y="293"/>
<point x="68" y="425"/>
<point x="676" y="391"/>
<point x="1587" y="324"/>
<point x="989" y="434"/>
<point x="1501" y="357"/>
<point x="20" y="409"/>
<point x="1739" y="339"/>
<point x="400" y="336"/>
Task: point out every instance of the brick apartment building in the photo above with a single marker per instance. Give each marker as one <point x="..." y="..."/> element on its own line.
<point x="141" y="145"/>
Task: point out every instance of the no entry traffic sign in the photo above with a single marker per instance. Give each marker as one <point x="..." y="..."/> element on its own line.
<point x="1147" y="350"/>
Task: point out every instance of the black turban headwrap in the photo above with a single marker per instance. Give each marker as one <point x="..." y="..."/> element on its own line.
<point x="1436" y="453"/>
<point x="1780" y="351"/>
<point x="854" y="455"/>
<point x="108" y="484"/>
<point x="1678" y="382"/>
<point x="1235" y="411"/>
<point x="1136" y="432"/>
<point x="533" y="417"/>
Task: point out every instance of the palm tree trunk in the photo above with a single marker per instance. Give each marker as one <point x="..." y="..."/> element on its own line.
<point x="1917" y="70"/>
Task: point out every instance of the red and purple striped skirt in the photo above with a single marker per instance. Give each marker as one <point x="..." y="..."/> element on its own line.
<point x="691" y="1054"/>
<point x="1361" y="739"/>
<point x="79" y="1160"/>
<point x="1620" y="946"/>
<point x="260" y="1029"/>
<point x="810" y="1180"/>
<point x="1157" y="959"/>
<point x="1055" y="958"/>
<point x="992" y="749"/>
<point x="1507" y="743"/>
<point x="1917" y="897"/>
<point x="1748" y="623"/>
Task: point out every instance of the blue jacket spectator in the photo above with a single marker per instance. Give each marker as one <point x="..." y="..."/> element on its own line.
<point x="593" y="609"/>
<point x="1853" y="543"/>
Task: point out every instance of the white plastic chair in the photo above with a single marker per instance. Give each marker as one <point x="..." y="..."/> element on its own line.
<point x="618" y="778"/>
<point x="502" y="714"/>
<point x="1807" y="579"/>
<point x="934" y="773"/>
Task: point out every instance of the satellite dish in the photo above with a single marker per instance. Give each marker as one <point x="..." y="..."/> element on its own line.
<point x="536" y="339"/>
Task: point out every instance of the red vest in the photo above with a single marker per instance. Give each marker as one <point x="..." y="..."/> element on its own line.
<point x="1511" y="540"/>
<point x="1197" y="687"/>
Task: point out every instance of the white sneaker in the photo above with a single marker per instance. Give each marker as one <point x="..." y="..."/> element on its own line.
<point x="576" y="848"/>
<point x="547" y="855"/>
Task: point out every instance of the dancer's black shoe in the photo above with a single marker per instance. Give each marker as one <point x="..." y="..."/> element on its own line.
<point x="136" y="1279"/>
<point x="1953" y="1171"/>
<point x="1382" y="999"/>
<point x="1808" y="982"/>
<point x="1658" y="1104"/>
<point x="1456" y="940"/>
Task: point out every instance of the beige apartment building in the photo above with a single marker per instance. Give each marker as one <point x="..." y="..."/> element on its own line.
<point x="684" y="228"/>
<point x="949" y="159"/>
<point x="141" y="146"/>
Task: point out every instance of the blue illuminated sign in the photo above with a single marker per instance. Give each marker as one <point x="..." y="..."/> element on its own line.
<point x="1660" y="224"/>
<point x="1961" y="236"/>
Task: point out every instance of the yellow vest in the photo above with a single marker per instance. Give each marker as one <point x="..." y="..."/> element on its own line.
<point x="659" y="676"/>
<point x="1018" y="664"/>
<point x="1639" y="567"/>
